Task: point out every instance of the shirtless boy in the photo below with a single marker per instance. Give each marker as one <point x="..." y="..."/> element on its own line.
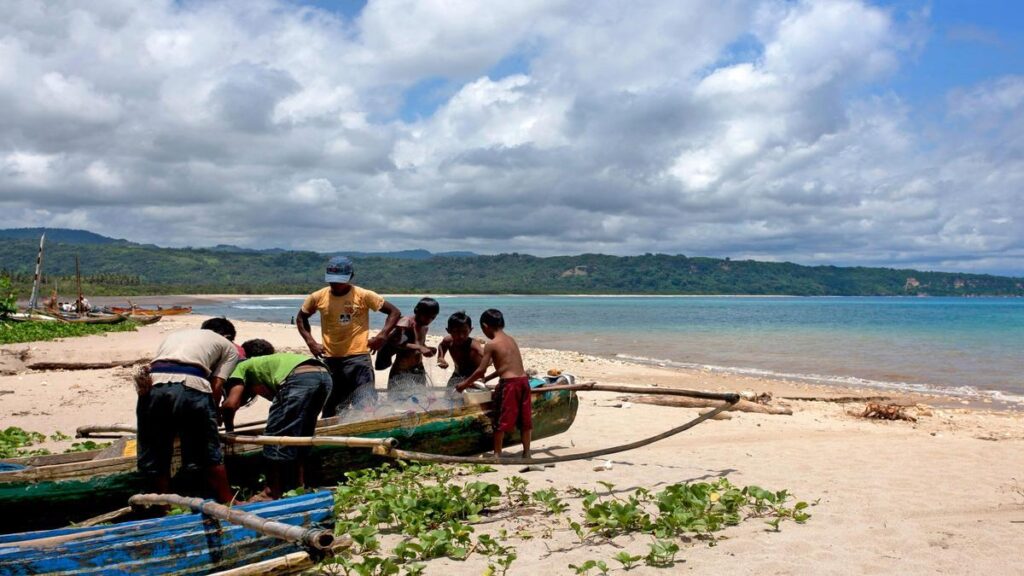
<point x="467" y="352"/>
<point x="512" y="396"/>
<point x="409" y="341"/>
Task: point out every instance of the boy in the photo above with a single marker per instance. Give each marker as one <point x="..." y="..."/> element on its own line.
<point x="409" y="342"/>
<point x="298" y="386"/>
<point x="512" y="398"/>
<point x="467" y="352"/>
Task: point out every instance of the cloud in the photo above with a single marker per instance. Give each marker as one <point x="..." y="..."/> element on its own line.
<point x="748" y="128"/>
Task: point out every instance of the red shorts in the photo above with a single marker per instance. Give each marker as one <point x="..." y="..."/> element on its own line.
<point x="515" y="405"/>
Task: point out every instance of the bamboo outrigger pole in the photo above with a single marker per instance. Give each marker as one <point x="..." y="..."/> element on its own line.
<point x="316" y="538"/>
<point x="444" y="459"/>
<point x="350" y="441"/>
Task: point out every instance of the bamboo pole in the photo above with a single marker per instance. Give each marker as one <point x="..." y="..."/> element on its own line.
<point x="108" y="517"/>
<point x="730" y="397"/>
<point x="100" y="431"/>
<point x="287" y="564"/>
<point x="350" y="441"/>
<point x="316" y="538"/>
<point x="33" y="300"/>
<point x="425" y="457"/>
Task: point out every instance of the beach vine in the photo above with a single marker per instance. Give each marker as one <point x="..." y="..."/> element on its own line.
<point x="18" y="443"/>
<point x="18" y="332"/>
<point x="404" y="515"/>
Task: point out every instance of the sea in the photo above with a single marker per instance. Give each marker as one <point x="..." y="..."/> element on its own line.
<point x="967" y="347"/>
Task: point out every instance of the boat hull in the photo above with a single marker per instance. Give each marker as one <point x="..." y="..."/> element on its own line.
<point x="47" y="495"/>
<point x="185" y="544"/>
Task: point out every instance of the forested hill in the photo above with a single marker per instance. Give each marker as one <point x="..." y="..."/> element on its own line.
<point x="125" y="268"/>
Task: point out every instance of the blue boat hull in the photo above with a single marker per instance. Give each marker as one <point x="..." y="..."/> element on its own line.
<point x="185" y="544"/>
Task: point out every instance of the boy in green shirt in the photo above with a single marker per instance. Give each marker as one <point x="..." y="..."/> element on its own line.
<point x="297" y="385"/>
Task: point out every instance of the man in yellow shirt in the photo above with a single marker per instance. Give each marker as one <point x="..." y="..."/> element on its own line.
<point x="345" y="329"/>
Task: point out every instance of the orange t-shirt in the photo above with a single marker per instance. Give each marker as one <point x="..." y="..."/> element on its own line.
<point x="344" y="320"/>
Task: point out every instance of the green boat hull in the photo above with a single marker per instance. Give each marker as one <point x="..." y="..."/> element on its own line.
<point x="48" y="496"/>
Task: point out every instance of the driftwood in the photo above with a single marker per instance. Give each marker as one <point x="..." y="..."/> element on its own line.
<point x="839" y="399"/>
<point x="86" y="365"/>
<point x="886" y="412"/>
<point x="741" y="406"/>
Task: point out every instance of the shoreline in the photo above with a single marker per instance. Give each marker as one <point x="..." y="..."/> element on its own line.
<point x="965" y="395"/>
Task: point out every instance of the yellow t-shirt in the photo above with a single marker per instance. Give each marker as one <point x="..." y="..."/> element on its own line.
<point x="344" y="320"/>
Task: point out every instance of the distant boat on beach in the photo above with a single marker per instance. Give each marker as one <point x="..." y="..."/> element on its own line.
<point x="158" y="311"/>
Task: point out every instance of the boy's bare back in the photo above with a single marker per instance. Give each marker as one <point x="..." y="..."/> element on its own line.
<point x="504" y="354"/>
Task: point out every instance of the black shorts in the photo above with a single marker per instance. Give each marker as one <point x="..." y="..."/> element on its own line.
<point x="170" y="410"/>
<point x="353" y="383"/>
<point x="294" y="412"/>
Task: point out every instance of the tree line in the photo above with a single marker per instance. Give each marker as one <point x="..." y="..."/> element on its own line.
<point x="133" y="269"/>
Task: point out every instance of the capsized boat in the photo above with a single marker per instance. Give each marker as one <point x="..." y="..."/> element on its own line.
<point x="185" y="544"/>
<point x="49" y="491"/>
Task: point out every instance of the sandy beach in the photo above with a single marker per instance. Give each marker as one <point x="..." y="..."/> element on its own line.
<point x="942" y="495"/>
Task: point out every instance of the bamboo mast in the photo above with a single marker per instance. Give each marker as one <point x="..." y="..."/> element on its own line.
<point x="33" y="301"/>
<point x="79" y="306"/>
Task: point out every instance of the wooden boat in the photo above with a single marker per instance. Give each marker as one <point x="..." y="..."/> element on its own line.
<point x="145" y="320"/>
<point x="158" y="311"/>
<point x="50" y="491"/>
<point x="185" y="544"/>
<point x="93" y="318"/>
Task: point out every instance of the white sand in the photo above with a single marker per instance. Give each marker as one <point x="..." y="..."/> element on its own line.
<point x="944" y="495"/>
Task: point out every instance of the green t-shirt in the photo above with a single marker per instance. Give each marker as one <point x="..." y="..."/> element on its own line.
<point x="270" y="370"/>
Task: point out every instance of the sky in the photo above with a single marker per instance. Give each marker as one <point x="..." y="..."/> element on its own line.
<point x="837" y="132"/>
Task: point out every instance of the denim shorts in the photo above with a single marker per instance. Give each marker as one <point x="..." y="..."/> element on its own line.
<point x="294" y="412"/>
<point x="170" y="410"/>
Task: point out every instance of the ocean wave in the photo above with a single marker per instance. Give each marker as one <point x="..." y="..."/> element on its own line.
<point x="854" y="381"/>
<point x="261" y="307"/>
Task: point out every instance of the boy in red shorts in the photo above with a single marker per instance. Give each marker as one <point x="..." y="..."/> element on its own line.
<point x="512" y="400"/>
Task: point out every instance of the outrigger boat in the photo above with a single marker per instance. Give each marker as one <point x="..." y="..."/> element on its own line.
<point x="184" y="544"/>
<point x="49" y="491"/>
<point x="158" y="311"/>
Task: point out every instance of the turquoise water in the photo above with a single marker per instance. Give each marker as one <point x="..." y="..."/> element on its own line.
<point x="957" y="345"/>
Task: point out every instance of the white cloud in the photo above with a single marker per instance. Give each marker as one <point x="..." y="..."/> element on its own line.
<point x="28" y="168"/>
<point x="102" y="175"/>
<point x="626" y="127"/>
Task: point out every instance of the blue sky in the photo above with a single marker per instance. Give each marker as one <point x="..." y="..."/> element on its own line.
<point x="847" y="132"/>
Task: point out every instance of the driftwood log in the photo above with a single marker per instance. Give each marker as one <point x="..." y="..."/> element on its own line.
<point x="839" y="399"/>
<point x="886" y="412"/>
<point x="682" y="402"/>
<point x="86" y="365"/>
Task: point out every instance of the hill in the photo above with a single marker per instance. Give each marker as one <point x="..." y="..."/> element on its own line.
<point x="65" y="235"/>
<point x="118" y="267"/>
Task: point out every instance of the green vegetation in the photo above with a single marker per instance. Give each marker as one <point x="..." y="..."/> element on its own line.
<point x="16" y="443"/>
<point x="423" y="512"/>
<point x="7" y="299"/>
<point x="126" y="269"/>
<point x="15" y="332"/>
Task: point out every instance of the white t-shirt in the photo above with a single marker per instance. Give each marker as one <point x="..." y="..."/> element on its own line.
<point x="203" y="349"/>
